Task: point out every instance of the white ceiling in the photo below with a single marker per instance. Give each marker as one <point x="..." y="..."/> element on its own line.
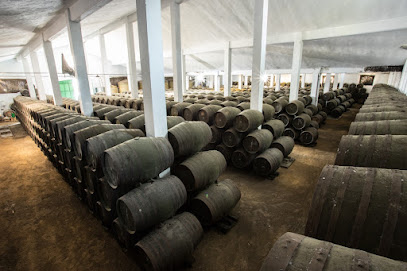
<point x="217" y="21"/>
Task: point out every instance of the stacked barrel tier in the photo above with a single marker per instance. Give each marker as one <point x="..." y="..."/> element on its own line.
<point x="293" y="251"/>
<point x="361" y="207"/>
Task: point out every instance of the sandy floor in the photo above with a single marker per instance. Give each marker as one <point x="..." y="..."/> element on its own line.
<point x="44" y="226"/>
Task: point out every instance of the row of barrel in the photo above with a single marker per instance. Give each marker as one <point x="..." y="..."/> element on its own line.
<point x="115" y="169"/>
<point x="359" y="206"/>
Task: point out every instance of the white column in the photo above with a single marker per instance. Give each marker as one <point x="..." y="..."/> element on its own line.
<point x="196" y="83"/>
<point x="131" y="60"/>
<point x="315" y="86"/>
<point x="261" y="11"/>
<point x="217" y="83"/>
<point x="105" y="65"/>
<point x="390" y="80"/>
<point x="271" y="80"/>
<point x="184" y="75"/>
<point x="342" y="80"/>
<point x="278" y="82"/>
<point x="303" y="80"/>
<point x="29" y="78"/>
<point x="239" y="81"/>
<point x="246" y="81"/>
<point x="210" y="80"/>
<point x="227" y="79"/>
<point x="403" y="80"/>
<point x="37" y="74"/>
<point x="52" y="69"/>
<point x="327" y="83"/>
<point x="336" y="79"/>
<point x="152" y="66"/>
<point x="176" y="49"/>
<point x="78" y="53"/>
<point x="296" y="67"/>
<point x="187" y="82"/>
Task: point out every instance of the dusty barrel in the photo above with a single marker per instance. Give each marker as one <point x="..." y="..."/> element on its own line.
<point x="257" y="141"/>
<point x="80" y="136"/>
<point x="137" y="123"/>
<point x="285" y="144"/>
<point x="301" y="121"/>
<point x="294" y="108"/>
<point x="229" y="104"/>
<point x="100" y="113"/>
<point x="361" y="208"/>
<point x="390" y="115"/>
<point x="276" y="127"/>
<point x="268" y="112"/>
<point x="224" y="117"/>
<point x="173" y="121"/>
<point x="308" y="112"/>
<point x="280" y="104"/>
<point x="232" y="138"/>
<point x="53" y="124"/>
<point x="137" y="160"/>
<point x="215" y="202"/>
<point x="106" y="215"/>
<point x="108" y="196"/>
<point x="309" y="136"/>
<point x="114" y="113"/>
<point x="243" y="106"/>
<point x="241" y="158"/>
<point x="314" y="109"/>
<point x="293" y="251"/>
<point x="125" y="117"/>
<point x="285" y="118"/>
<point x="169" y="105"/>
<point x="381" y="127"/>
<point x="216" y="135"/>
<point x="291" y="132"/>
<point x="189" y="137"/>
<point x="69" y="130"/>
<point x="207" y="113"/>
<point x="201" y="169"/>
<point x="95" y="146"/>
<point x="226" y="151"/>
<point x="268" y="162"/>
<point x="314" y="124"/>
<point x="248" y="120"/>
<point x="191" y="112"/>
<point x="168" y="246"/>
<point x="318" y="118"/>
<point x="158" y="200"/>
<point x="125" y="238"/>
<point x="178" y="109"/>
<point x="378" y="108"/>
<point x="382" y="151"/>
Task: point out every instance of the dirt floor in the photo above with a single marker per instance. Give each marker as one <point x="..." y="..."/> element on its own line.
<point x="44" y="226"/>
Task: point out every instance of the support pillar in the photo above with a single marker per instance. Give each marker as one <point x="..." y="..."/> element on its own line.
<point x="296" y="67"/>
<point x="278" y="82"/>
<point x="327" y="83"/>
<point x="261" y="11"/>
<point x="315" y="86"/>
<point x="210" y="81"/>
<point x="105" y="65"/>
<point x="29" y="78"/>
<point x="246" y="81"/>
<point x="78" y="53"/>
<point x="227" y="76"/>
<point x="271" y="80"/>
<point x="184" y="75"/>
<point x="217" y="82"/>
<point x="336" y="79"/>
<point x="131" y="60"/>
<point x="176" y="49"/>
<point x="187" y="82"/>
<point x="37" y="74"/>
<point x="341" y="80"/>
<point x="303" y="80"/>
<point x="239" y="81"/>
<point x="403" y="80"/>
<point x="152" y="66"/>
<point x="52" y="69"/>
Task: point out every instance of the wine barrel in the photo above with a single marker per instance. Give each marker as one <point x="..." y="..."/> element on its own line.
<point x="191" y="112"/>
<point x="361" y="208"/>
<point x="295" y="107"/>
<point x="215" y="202"/>
<point x="137" y="160"/>
<point x="381" y="108"/>
<point x="232" y="138"/>
<point x="69" y="130"/>
<point x="125" y="238"/>
<point x="291" y="132"/>
<point x="229" y="104"/>
<point x="285" y="118"/>
<point x="216" y="135"/>
<point x="381" y="151"/>
<point x="309" y="136"/>
<point x="293" y="251"/>
<point x="207" y="113"/>
<point x="114" y="113"/>
<point x="168" y="246"/>
<point x="280" y="104"/>
<point x="268" y="112"/>
<point x="224" y="117"/>
<point x="389" y="115"/>
<point x="173" y="121"/>
<point x="95" y="146"/>
<point x="276" y="127"/>
<point x="243" y="106"/>
<point x="268" y="162"/>
<point x="301" y="121"/>
<point x="137" y="123"/>
<point x="125" y="117"/>
<point x="257" y="141"/>
<point x="313" y="108"/>
<point x="226" y="151"/>
<point x="201" y="169"/>
<point x="314" y="124"/>
<point x="285" y="144"/>
<point x="242" y="159"/>
<point x="248" y="120"/>
<point x="108" y="196"/>
<point x="189" y="137"/>
<point x="100" y="113"/>
<point x="80" y="136"/>
<point x="381" y="127"/>
<point x="169" y="105"/>
<point x="158" y="200"/>
<point x="178" y="109"/>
